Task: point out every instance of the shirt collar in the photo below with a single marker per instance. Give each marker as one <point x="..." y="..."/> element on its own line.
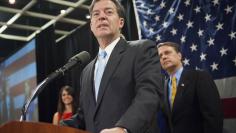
<point x="177" y="74"/>
<point x="110" y="47"/>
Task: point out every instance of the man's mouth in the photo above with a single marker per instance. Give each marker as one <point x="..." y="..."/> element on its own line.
<point x="166" y="62"/>
<point x="102" y="25"/>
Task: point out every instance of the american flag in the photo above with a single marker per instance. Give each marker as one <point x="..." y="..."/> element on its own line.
<point x="206" y="30"/>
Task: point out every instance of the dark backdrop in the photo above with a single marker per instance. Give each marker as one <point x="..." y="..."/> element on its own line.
<point x="9" y="47"/>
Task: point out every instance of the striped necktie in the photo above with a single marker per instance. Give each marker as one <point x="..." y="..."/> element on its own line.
<point x="99" y="71"/>
<point x="173" y="90"/>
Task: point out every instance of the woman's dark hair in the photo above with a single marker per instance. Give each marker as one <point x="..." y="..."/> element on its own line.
<point x="61" y="105"/>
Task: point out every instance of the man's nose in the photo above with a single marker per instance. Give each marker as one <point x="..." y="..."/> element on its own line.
<point x="163" y="57"/>
<point x="102" y="16"/>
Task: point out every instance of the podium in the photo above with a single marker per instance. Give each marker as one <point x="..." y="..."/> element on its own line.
<point x="36" y="127"/>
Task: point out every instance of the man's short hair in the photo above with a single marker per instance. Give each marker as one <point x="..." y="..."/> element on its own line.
<point x="120" y="9"/>
<point x="171" y="44"/>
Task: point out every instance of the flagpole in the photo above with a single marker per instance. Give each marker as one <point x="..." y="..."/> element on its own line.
<point x="137" y="19"/>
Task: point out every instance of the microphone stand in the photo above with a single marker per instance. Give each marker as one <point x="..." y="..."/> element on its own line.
<point x="37" y="90"/>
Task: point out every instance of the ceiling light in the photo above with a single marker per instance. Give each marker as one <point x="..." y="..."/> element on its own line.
<point x="63" y="11"/>
<point x="88" y="16"/>
<point x="12" y="1"/>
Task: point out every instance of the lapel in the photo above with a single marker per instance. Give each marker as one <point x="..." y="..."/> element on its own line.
<point x="166" y="105"/>
<point x="90" y="84"/>
<point x="166" y="97"/>
<point x="166" y="108"/>
<point x="111" y="66"/>
<point x="181" y="88"/>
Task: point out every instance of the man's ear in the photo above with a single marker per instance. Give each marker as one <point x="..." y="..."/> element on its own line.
<point x="91" y="26"/>
<point x="122" y="22"/>
<point x="180" y="55"/>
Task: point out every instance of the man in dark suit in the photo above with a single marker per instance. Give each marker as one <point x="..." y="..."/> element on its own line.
<point x="192" y="103"/>
<point x="120" y="88"/>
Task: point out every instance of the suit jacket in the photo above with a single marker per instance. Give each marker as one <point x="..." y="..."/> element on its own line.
<point x="197" y="106"/>
<point x="129" y="90"/>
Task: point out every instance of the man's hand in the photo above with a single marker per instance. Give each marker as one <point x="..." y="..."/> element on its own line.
<point x="114" y="130"/>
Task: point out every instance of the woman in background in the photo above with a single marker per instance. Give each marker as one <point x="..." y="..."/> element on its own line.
<point x="67" y="105"/>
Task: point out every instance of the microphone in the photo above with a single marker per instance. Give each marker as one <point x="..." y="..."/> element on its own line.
<point x="82" y="58"/>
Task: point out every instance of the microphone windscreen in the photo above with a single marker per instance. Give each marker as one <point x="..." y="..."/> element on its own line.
<point x="82" y="57"/>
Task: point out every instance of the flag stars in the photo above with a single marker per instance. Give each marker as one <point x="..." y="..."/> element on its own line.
<point x="214" y="66"/>
<point x="180" y="17"/>
<point x="200" y="32"/>
<point x="197" y="9"/>
<point x="173" y="31"/>
<point x="234" y="61"/>
<point x="193" y="47"/>
<point x="219" y="26"/>
<point x="149" y="12"/>
<point x="157" y="18"/>
<point x="145" y="23"/>
<point x="206" y="38"/>
<point x="186" y="62"/>
<point x="171" y="10"/>
<point x="208" y="17"/>
<point x="183" y="39"/>
<point x="187" y="3"/>
<point x="142" y="5"/>
<point x="232" y="35"/>
<point x="210" y="42"/>
<point x="190" y="24"/>
<point x="151" y="30"/>
<point x="165" y="24"/>
<point x="197" y="68"/>
<point x="203" y="57"/>
<point x="163" y="4"/>
<point x="228" y="9"/>
<point x="223" y="51"/>
<point x="215" y="2"/>
<point x="158" y="38"/>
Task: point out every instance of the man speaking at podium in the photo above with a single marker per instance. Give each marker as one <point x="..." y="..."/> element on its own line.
<point x="120" y="88"/>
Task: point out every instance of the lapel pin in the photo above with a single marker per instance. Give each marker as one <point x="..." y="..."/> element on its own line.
<point x="182" y="85"/>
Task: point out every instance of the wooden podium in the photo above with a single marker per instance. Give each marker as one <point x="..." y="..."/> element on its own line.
<point x="36" y="127"/>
